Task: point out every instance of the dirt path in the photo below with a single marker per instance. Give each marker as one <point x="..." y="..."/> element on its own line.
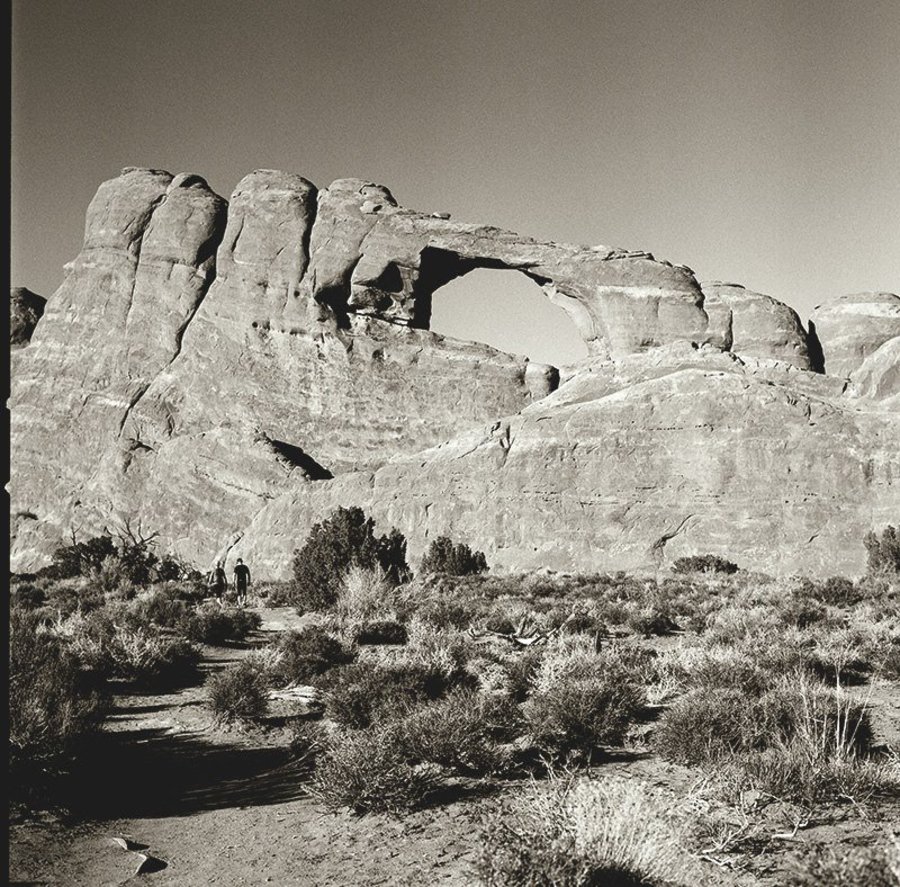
<point x="225" y="807"/>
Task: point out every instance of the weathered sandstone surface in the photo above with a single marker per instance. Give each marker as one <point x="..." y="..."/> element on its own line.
<point x="25" y="310"/>
<point x="230" y="372"/>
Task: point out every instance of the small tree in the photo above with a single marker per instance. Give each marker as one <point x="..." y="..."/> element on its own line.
<point x="884" y="552"/>
<point x="443" y="556"/>
<point x="346" y="538"/>
<point x="80" y="558"/>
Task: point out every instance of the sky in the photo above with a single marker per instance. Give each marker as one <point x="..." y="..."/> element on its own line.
<point x="757" y="141"/>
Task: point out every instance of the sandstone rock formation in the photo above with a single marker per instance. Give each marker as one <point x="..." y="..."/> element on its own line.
<point x="698" y="453"/>
<point x="878" y="376"/>
<point x="755" y="325"/>
<point x="850" y="328"/>
<point x="231" y="372"/>
<point x="25" y="310"/>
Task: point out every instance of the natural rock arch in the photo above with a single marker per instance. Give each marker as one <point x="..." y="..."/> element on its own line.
<point x="508" y="311"/>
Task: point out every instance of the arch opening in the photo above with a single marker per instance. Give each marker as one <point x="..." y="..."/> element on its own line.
<point x="508" y="311"/>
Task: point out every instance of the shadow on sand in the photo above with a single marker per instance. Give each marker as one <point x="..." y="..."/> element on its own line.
<point x="152" y="773"/>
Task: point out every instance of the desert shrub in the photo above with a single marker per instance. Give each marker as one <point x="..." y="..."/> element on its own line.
<point x="359" y="695"/>
<point x="801" y="612"/>
<point x="883" y="552"/>
<point x="724" y="668"/>
<point x="128" y="560"/>
<point x="653" y="620"/>
<point x="305" y="654"/>
<point x="171" y="569"/>
<point x="67" y="596"/>
<point x="837" y="591"/>
<point x="457" y="731"/>
<point x="275" y="594"/>
<point x="52" y="702"/>
<point x="705" y="725"/>
<point x="345" y="539"/>
<point x="385" y="631"/>
<point x="112" y="580"/>
<point x="114" y="643"/>
<point x="215" y="624"/>
<point x="583" y="620"/>
<point x="521" y="670"/>
<point x="617" y="831"/>
<point x="445" y="652"/>
<point x="151" y="659"/>
<point x="306" y="739"/>
<point x="821" y="717"/>
<point x="79" y="558"/>
<point x="704" y="563"/>
<point x="789" y="771"/>
<point x="238" y="693"/>
<point x="27" y="596"/>
<point x="455" y="559"/>
<point x="444" y="612"/>
<point x="367" y="771"/>
<point x="800" y="740"/>
<point x="581" y="700"/>
<point x="159" y="606"/>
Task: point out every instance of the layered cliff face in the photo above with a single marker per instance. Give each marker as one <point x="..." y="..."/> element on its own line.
<point x="230" y="373"/>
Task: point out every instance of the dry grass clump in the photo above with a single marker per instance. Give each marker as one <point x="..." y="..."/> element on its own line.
<point x="614" y="831"/>
<point x="364" y="594"/>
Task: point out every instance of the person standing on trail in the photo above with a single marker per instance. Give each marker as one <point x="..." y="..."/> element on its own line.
<point x="241" y="577"/>
<point x="217" y="583"/>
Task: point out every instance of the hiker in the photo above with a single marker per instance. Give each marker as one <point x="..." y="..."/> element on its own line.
<point x="217" y="583"/>
<point x="241" y="577"/>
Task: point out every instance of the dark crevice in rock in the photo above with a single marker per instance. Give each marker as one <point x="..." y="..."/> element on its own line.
<point x="814" y="347"/>
<point x="298" y="458"/>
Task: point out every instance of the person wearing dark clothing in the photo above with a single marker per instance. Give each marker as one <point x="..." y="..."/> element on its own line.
<point x="241" y="577"/>
<point x="217" y="583"/>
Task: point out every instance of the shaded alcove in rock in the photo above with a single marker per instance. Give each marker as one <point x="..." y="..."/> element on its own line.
<point x="506" y="310"/>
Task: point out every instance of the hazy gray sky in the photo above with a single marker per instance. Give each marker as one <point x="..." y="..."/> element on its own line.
<point x="757" y="142"/>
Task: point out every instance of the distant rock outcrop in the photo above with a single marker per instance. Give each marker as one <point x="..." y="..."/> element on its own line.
<point x="230" y="372"/>
<point x="25" y="310"/>
<point x="852" y="327"/>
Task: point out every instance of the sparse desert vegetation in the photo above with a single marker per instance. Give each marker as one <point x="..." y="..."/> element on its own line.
<point x="754" y="711"/>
